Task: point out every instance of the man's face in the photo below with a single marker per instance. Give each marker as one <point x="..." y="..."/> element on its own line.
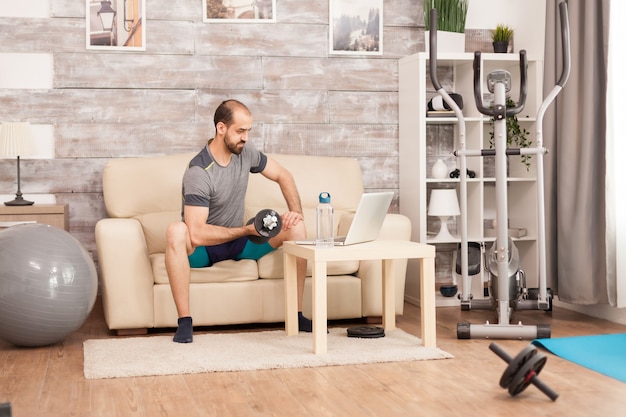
<point x="236" y="135"/>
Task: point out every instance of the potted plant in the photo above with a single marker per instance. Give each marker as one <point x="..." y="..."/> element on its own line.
<point x="451" y="16"/>
<point x="516" y="135"/>
<point x="501" y="36"/>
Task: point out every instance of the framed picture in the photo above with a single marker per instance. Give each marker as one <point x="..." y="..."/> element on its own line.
<point x="116" y="25"/>
<point x="356" y="27"/>
<point x="239" y="11"/>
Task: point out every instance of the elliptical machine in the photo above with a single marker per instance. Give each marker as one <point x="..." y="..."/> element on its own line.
<point x="507" y="283"/>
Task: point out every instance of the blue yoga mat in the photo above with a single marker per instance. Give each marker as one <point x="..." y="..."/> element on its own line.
<point x="605" y="353"/>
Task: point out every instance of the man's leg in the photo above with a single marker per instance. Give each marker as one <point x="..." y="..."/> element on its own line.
<point x="304" y="324"/>
<point x="297" y="232"/>
<point x="179" y="274"/>
<point x="258" y="250"/>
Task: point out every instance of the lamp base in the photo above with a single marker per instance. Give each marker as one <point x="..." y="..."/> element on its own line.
<point x="444" y="234"/>
<point x="19" y="201"/>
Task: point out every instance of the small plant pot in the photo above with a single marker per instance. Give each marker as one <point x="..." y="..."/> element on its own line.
<point x="500" y="47"/>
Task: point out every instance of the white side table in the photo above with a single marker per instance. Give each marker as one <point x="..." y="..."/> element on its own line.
<point x="386" y="251"/>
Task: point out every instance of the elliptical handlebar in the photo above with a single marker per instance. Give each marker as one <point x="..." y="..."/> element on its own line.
<point x="565" y="42"/>
<point x="523" y="85"/>
<point x="433" y="50"/>
<point x="523" y="69"/>
<point x="567" y="58"/>
<point x="477" y="90"/>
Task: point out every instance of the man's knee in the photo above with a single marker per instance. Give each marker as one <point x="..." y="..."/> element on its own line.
<point x="297" y="232"/>
<point x="176" y="234"/>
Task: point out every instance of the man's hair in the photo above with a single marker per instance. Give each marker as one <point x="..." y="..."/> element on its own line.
<point x="224" y="112"/>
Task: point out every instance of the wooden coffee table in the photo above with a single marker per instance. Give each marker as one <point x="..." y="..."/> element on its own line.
<point x="386" y="251"/>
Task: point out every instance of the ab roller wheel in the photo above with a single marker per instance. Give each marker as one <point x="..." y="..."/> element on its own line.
<point x="267" y="223"/>
<point x="523" y="370"/>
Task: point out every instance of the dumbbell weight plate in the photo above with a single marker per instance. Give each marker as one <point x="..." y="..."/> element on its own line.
<point x="268" y="223"/>
<point x="516" y="364"/>
<point x="265" y="231"/>
<point x="523" y="378"/>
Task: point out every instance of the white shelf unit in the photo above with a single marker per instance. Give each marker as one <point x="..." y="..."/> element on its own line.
<point x="420" y="147"/>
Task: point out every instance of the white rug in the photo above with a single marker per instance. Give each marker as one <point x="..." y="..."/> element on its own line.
<point x="244" y="351"/>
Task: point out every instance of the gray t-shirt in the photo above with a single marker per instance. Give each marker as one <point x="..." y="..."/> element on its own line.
<point x="221" y="188"/>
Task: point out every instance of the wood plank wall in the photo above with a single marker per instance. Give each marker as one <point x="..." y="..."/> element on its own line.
<point x="116" y="104"/>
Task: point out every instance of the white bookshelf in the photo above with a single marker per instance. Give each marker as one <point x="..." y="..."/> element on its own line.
<point x="418" y="154"/>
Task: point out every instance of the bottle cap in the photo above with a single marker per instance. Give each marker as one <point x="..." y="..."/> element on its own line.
<point x="324" y="197"/>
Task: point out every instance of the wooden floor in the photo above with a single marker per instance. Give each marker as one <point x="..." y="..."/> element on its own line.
<point x="49" y="381"/>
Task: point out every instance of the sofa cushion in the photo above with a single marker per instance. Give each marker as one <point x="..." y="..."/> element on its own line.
<point x="271" y="266"/>
<point x="225" y="271"/>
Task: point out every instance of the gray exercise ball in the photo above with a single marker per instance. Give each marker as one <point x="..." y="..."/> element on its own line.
<point x="48" y="285"/>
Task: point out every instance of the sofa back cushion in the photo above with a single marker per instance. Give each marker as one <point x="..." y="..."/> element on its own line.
<point x="149" y="189"/>
<point x="135" y="186"/>
<point x="154" y="226"/>
<point x="340" y="176"/>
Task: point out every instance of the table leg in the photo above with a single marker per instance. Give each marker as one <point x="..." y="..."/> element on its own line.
<point x="291" y="294"/>
<point x="389" y="294"/>
<point x="427" y="302"/>
<point x="320" y="311"/>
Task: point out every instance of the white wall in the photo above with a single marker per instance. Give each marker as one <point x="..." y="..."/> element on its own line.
<point x="29" y="71"/>
<point x="25" y="8"/>
<point x="526" y="17"/>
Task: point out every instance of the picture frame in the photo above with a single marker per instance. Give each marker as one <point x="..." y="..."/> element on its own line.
<point x="239" y="11"/>
<point x="115" y="25"/>
<point x="355" y="27"/>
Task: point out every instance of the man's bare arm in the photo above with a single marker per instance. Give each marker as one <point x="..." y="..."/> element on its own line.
<point x="276" y="172"/>
<point x="203" y="234"/>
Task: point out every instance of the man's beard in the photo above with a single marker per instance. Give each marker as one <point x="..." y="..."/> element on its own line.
<point x="233" y="147"/>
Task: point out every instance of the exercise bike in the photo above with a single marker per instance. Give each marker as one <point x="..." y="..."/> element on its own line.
<point x="507" y="280"/>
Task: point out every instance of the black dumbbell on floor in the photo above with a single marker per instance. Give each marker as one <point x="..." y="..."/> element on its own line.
<point x="267" y="223"/>
<point x="523" y="370"/>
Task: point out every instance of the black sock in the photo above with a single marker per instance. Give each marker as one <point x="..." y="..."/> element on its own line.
<point x="304" y="324"/>
<point x="184" y="333"/>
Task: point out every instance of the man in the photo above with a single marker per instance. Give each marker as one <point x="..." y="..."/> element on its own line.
<point x="214" y="188"/>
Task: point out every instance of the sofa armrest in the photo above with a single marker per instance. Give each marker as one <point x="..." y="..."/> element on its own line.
<point x="126" y="274"/>
<point x="395" y="227"/>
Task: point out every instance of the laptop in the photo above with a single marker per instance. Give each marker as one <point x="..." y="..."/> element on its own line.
<point x="367" y="221"/>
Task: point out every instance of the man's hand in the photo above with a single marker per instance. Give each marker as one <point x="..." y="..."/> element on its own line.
<point x="290" y="219"/>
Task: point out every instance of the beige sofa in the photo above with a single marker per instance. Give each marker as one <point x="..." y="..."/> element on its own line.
<point x="143" y="195"/>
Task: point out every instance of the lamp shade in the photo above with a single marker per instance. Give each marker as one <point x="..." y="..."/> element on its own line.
<point x="443" y="203"/>
<point x="16" y="139"/>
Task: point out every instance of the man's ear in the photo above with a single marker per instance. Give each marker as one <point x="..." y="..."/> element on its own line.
<point x="221" y="128"/>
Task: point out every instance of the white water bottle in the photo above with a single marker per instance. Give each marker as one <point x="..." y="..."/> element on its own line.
<point x="325" y="231"/>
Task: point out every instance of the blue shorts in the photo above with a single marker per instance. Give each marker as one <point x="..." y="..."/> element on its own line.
<point x="241" y="248"/>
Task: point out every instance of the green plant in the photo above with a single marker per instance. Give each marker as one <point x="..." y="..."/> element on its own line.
<point x="502" y="33"/>
<point x="451" y="14"/>
<point x="516" y="136"/>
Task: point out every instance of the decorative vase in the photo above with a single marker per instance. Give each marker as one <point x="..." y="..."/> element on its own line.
<point x="439" y="170"/>
<point x="501" y="47"/>
<point x="446" y="42"/>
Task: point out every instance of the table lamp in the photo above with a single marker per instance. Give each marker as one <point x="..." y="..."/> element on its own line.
<point x="443" y="204"/>
<point x="16" y="140"/>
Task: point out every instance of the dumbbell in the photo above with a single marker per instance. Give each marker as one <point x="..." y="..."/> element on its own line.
<point x="457" y="173"/>
<point x="523" y="370"/>
<point x="267" y="223"/>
